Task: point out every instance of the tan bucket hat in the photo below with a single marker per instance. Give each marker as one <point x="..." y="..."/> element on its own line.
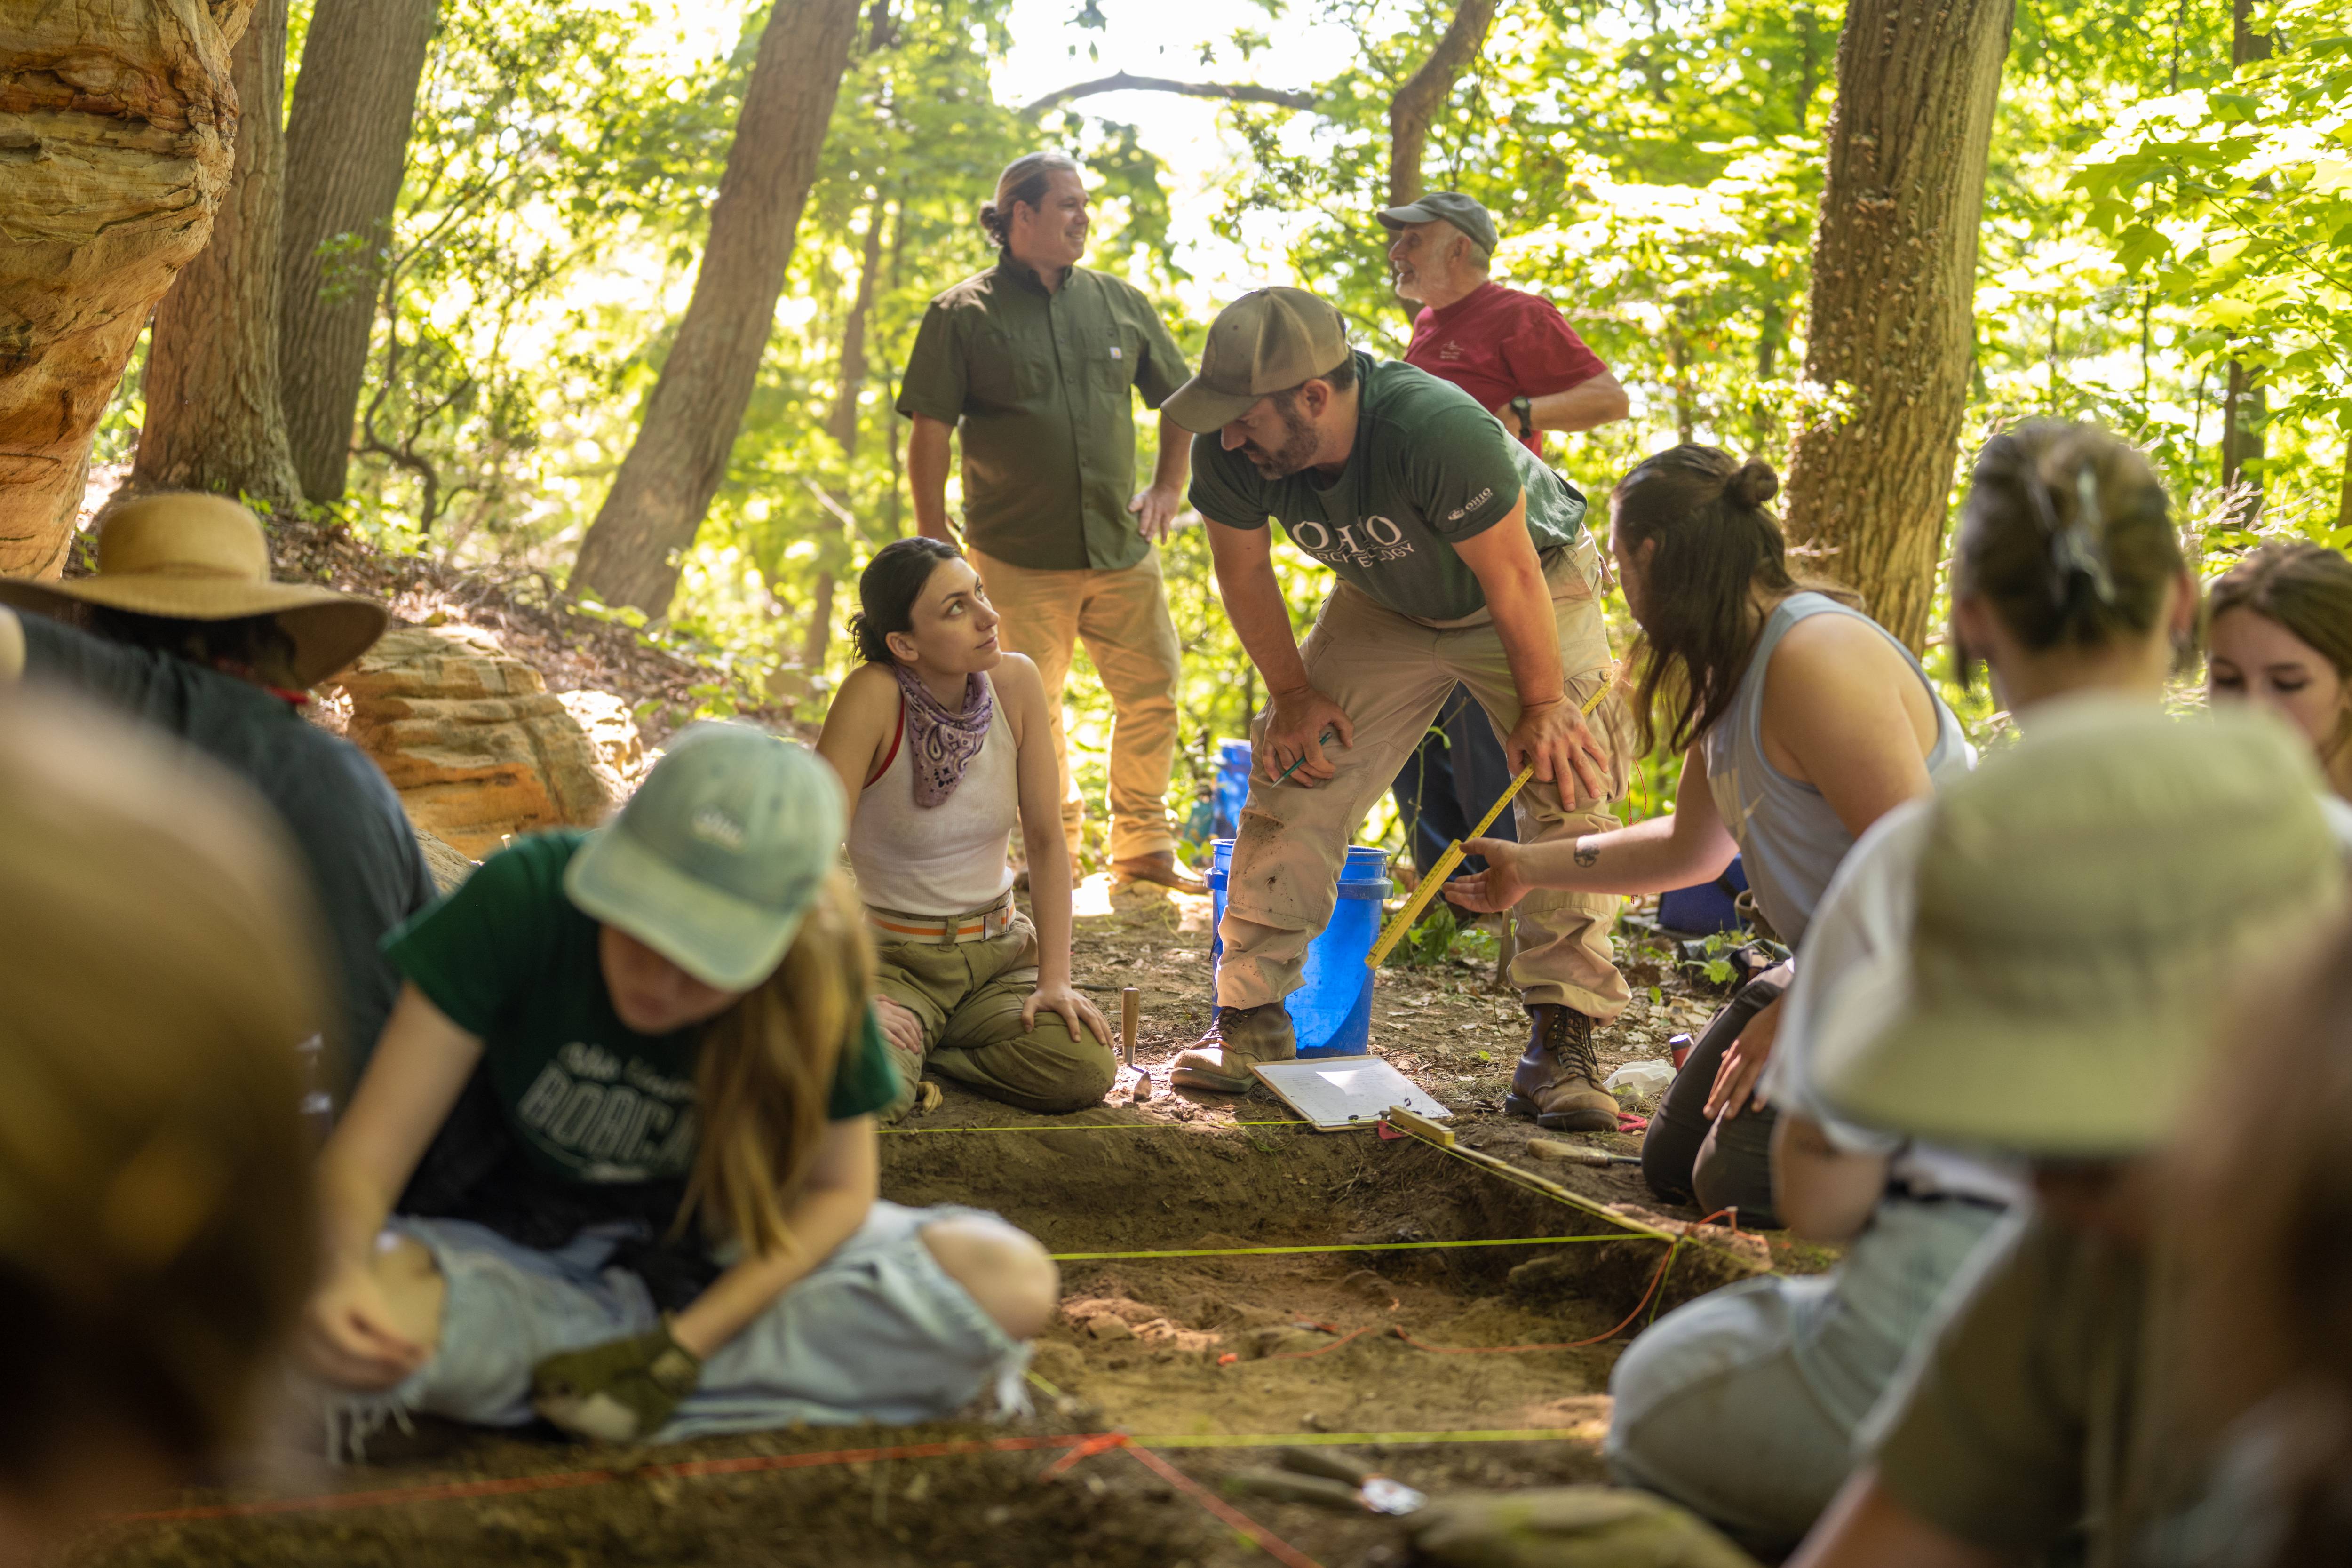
<point x="182" y="555"/>
<point x="2087" y="904"/>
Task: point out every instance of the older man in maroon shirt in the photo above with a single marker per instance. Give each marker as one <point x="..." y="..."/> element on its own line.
<point x="1512" y="351"/>
<point x="1516" y="354"/>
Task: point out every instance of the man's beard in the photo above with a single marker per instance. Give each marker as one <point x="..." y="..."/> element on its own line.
<point x="1297" y="450"/>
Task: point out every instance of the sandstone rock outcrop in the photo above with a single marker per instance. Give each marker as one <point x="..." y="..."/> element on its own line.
<point x="477" y="746"/>
<point x="441" y="857"/>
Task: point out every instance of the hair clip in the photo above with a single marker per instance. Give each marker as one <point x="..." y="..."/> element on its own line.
<point x="2076" y="551"/>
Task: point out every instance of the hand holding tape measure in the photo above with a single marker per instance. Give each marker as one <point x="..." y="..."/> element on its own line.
<point x="1451" y="861"/>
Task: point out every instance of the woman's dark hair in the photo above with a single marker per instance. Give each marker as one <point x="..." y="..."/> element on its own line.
<point x="2306" y="588"/>
<point x="256" y="645"/>
<point x="2066" y="534"/>
<point x="1025" y="179"/>
<point x="888" y="589"/>
<point x="1717" y="543"/>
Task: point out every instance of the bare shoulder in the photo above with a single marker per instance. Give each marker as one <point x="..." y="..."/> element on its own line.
<point x="1827" y="648"/>
<point x="1017" y="678"/>
<point x="866" y="705"/>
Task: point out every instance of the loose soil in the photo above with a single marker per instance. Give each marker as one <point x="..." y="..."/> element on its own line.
<point x="1166" y="1348"/>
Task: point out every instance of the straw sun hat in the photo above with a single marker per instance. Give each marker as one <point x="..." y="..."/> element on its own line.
<point x="192" y="557"/>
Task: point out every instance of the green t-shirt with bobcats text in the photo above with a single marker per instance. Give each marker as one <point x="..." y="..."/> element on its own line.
<point x="1429" y="469"/>
<point x="510" y="959"/>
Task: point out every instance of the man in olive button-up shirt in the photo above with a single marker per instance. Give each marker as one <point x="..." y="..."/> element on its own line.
<point x="1033" y="364"/>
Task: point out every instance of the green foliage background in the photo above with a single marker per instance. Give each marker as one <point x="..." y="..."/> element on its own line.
<point x="2151" y="214"/>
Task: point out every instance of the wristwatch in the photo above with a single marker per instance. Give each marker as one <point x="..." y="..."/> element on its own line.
<point x="1526" y="412"/>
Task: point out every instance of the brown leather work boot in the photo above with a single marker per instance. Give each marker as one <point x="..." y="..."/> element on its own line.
<point x="1558" y="1081"/>
<point x="1220" y="1060"/>
<point x="1159" y="867"/>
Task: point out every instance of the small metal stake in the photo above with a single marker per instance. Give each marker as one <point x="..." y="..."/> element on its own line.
<point x="1131" y="1011"/>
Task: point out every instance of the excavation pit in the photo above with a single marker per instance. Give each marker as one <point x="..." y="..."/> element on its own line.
<point x="1142" y="1345"/>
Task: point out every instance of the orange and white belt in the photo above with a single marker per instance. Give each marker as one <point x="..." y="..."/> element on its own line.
<point x="979" y="925"/>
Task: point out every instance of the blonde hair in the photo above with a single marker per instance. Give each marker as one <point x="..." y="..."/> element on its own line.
<point x="156" y="1227"/>
<point x="764" y="1081"/>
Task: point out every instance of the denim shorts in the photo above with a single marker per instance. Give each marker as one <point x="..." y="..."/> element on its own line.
<point x="878" y="1331"/>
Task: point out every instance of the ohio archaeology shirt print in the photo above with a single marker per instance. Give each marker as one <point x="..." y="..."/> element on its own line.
<point x="610" y="1117"/>
<point x="1430" y="467"/>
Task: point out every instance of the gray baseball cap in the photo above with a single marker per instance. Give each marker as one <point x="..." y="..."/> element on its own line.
<point x="1269" y="339"/>
<point x="2088" y="902"/>
<point x="1446" y="207"/>
<point x="719" y="855"/>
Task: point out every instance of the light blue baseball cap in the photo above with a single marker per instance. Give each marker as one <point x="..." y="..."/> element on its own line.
<point x="716" y="860"/>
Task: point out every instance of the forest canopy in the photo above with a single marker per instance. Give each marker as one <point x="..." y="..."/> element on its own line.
<point x="2165" y="245"/>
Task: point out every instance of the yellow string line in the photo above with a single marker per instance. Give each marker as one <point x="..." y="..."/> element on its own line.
<point x="1096" y="1126"/>
<point x="1350" y="1247"/>
<point x="1326" y="1439"/>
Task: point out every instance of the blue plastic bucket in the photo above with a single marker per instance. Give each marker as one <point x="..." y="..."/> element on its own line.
<point x="1707" y="907"/>
<point x="1331" y="1011"/>
<point x="1233" y="787"/>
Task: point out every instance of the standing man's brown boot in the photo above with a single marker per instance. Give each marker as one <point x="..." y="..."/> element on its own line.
<point x="1557" y="1080"/>
<point x="1220" y="1059"/>
<point x="1159" y="867"/>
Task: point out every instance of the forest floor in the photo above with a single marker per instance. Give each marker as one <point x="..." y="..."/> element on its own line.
<point x="1207" y="1363"/>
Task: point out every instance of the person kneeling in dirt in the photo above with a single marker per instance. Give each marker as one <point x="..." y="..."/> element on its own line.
<point x="941" y="743"/>
<point x="182" y="628"/>
<point x="671" y="1015"/>
<point x="2091" y="905"/>
<point x="155" y="1206"/>
<point x="1801" y="720"/>
<point x="1743" y="1404"/>
<point x="1461" y="559"/>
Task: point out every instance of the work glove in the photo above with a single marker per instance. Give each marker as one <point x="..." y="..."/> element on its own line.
<point x="618" y="1391"/>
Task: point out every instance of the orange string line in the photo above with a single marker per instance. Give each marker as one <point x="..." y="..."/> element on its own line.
<point x="1264" y="1539"/>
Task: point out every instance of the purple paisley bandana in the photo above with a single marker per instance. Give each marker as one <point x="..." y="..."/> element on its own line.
<point x="943" y="744"/>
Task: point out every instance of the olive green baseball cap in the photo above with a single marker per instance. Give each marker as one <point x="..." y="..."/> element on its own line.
<point x="1446" y="207"/>
<point x="716" y="858"/>
<point x="1268" y="341"/>
<point x="2088" y="903"/>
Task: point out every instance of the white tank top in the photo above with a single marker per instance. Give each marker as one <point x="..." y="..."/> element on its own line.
<point x="943" y="859"/>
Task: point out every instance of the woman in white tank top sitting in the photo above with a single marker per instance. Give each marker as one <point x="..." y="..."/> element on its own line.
<point x="1801" y="721"/>
<point x="941" y="740"/>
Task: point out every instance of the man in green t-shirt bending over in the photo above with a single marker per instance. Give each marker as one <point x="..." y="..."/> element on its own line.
<point x="1459" y="557"/>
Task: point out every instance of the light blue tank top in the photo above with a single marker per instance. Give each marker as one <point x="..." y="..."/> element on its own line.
<point x="1789" y="841"/>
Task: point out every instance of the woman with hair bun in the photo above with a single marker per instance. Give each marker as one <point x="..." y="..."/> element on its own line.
<point x="2069" y="585"/>
<point x="2279" y="625"/>
<point x="943" y="748"/>
<point x="1802" y="722"/>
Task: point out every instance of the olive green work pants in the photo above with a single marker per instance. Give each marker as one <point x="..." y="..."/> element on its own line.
<point x="968" y="996"/>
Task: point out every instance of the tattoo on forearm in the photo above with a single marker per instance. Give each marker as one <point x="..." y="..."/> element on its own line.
<point x="1587" y="852"/>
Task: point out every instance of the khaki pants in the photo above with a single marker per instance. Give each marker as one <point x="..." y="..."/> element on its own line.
<point x="1392" y="673"/>
<point x="968" y="996"/>
<point x="1123" y="616"/>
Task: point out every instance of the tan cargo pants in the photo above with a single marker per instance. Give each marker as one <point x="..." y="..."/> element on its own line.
<point x="968" y="996"/>
<point x="1390" y="673"/>
<point x="1123" y="616"/>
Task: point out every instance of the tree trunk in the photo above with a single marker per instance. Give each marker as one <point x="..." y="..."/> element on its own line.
<point x="214" y="418"/>
<point x="2245" y="404"/>
<point x="843" y="421"/>
<point x="648" y="520"/>
<point x="346" y="146"/>
<point x="1425" y="91"/>
<point x="2344" y="490"/>
<point x="117" y="122"/>
<point x="1893" y="286"/>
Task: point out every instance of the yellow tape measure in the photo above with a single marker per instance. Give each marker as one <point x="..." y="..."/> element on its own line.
<point x="1448" y="862"/>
